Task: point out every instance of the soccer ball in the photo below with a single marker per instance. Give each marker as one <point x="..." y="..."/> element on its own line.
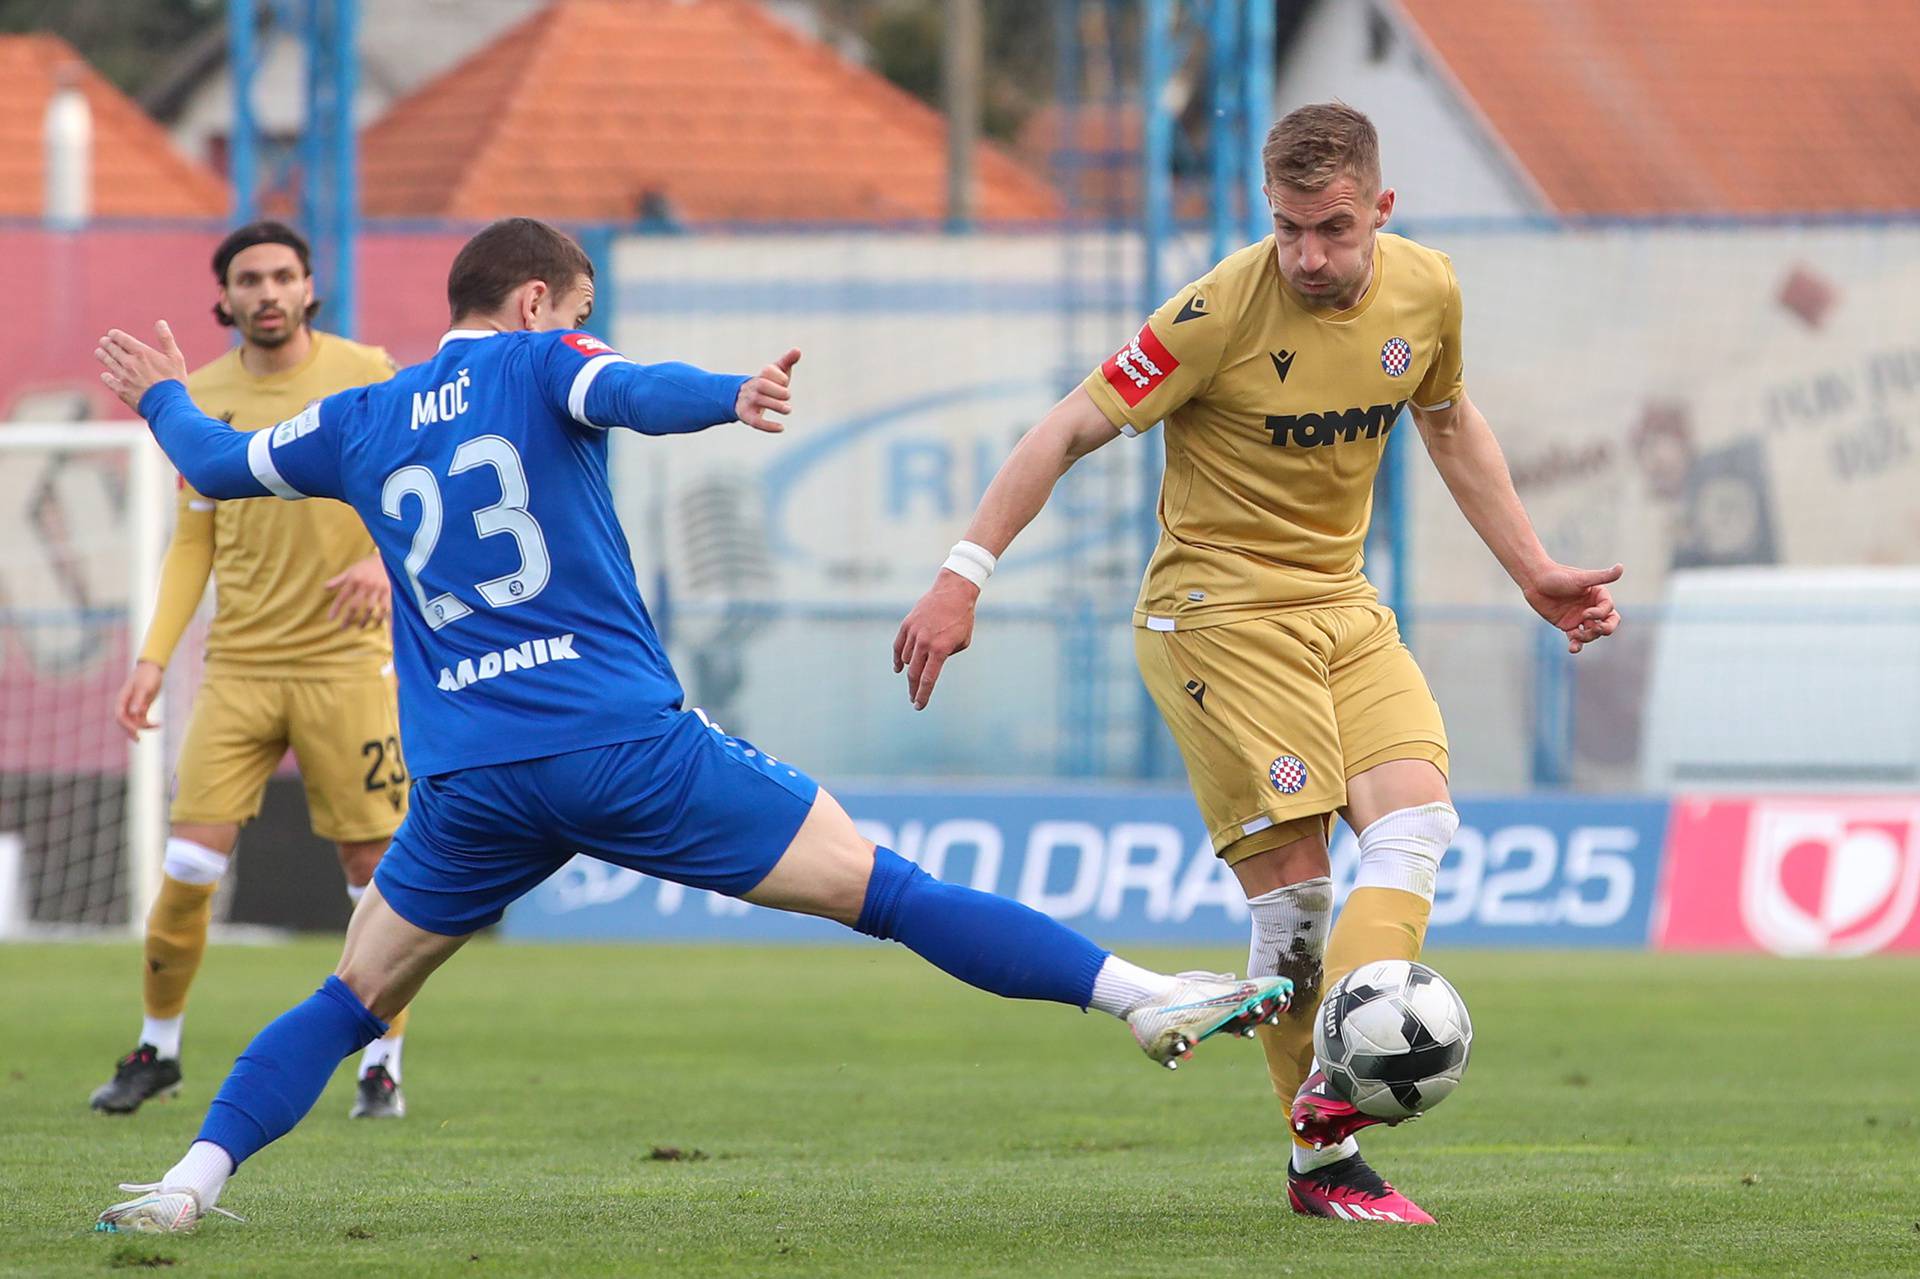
<point x="1393" y="1038"/>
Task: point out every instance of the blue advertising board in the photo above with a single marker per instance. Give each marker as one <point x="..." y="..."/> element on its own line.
<point x="1135" y="866"/>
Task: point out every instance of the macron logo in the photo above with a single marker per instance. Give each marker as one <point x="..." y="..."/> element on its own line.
<point x="527" y="653"/>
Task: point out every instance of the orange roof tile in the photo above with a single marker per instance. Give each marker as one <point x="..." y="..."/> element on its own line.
<point x="591" y="108"/>
<point x="1724" y="106"/>
<point x="136" y="171"/>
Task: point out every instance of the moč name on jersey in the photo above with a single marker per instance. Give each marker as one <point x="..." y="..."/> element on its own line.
<point x="442" y="404"/>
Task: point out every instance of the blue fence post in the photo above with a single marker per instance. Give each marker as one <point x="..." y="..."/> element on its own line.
<point x="1552" y="709"/>
<point x="313" y="146"/>
<point x="1068" y="164"/>
<point x="1229" y="107"/>
<point x="343" y="214"/>
<point x="1156" y="189"/>
<point x="1259" y="105"/>
<point x="329" y="156"/>
<point x="1399" y="500"/>
<point x="242" y="156"/>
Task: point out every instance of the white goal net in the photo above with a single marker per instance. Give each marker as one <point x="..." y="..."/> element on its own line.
<point x="84" y="512"/>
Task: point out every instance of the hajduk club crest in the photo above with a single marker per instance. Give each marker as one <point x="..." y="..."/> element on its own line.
<point x="1288" y="774"/>
<point x="1396" y="356"/>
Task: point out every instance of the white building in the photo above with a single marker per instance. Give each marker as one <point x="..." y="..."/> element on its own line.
<point x="401" y="47"/>
<point x="1436" y="149"/>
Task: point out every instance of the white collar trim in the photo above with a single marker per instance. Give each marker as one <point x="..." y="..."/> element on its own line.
<point x="465" y="335"/>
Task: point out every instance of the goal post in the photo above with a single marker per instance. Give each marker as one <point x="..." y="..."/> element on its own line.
<point x="84" y="515"/>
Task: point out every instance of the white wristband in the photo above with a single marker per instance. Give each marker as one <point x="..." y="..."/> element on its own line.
<point x="971" y="561"/>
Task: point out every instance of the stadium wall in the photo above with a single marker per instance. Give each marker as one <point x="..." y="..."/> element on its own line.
<point x="129" y="274"/>
<point x="1670" y="395"/>
<point x="1786" y="875"/>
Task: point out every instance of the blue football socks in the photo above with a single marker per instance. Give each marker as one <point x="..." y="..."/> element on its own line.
<point x="986" y="941"/>
<point x="285" y="1068"/>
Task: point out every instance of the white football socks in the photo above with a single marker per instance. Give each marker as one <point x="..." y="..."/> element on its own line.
<point x="1403" y="849"/>
<point x="204" y="1170"/>
<point x="1306" y="1160"/>
<point x="1121" y="987"/>
<point x="383" y="1052"/>
<point x="164" y="1034"/>
<point x="1290" y="934"/>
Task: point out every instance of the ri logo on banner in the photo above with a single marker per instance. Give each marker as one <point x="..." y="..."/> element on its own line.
<point x="1810" y="876"/>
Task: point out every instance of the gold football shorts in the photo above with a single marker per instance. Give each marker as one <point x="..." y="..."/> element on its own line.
<point x="1273" y="715"/>
<point x="345" y="735"/>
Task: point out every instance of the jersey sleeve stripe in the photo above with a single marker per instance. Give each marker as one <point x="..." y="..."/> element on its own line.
<point x="577" y="396"/>
<point x="260" y="459"/>
<point x="1434" y="408"/>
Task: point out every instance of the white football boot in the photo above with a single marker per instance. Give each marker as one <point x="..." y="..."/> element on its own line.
<point x="1202" y="1005"/>
<point x="157" y="1211"/>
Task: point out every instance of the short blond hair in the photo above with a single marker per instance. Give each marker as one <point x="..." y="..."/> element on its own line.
<point x="1310" y="147"/>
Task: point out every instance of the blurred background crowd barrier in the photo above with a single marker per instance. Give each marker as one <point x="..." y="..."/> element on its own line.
<point x="1692" y="324"/>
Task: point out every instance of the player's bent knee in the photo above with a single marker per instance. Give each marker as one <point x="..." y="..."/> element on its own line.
<point x="1282" y="854"/>
<point x="387" y="959"/>
<point x="215" y="837"/>
<point x="824" y="870"/>
<point x="189" y="862"/>
<point x="1403" y="848"/>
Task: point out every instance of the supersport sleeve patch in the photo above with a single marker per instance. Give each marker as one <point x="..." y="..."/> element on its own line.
<point x="1137" y="369"/>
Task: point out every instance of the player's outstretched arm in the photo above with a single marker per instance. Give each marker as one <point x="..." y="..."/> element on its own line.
<point x="941" y="624"/>
<point x="1468" y="457"/>
<point x="151" y="382"/>
<point x="675" y="399"/>
<point x="768" y="391"/>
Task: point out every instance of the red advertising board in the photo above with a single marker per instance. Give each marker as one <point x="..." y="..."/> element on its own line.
<point x="1812" y="875"/>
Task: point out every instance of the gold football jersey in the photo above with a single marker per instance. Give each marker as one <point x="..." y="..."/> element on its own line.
<point x="272" y="559"/>
<point x="1277" y="418"/>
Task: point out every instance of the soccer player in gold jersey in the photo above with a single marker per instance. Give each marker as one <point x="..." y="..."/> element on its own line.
<point x="1279" y="375"/>
<point x="298" y="655"/>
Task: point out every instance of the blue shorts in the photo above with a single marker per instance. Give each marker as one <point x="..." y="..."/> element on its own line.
<point x="691" y="805"/>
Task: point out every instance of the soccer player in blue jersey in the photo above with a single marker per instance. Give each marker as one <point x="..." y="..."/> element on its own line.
<point x="542" y="717"/>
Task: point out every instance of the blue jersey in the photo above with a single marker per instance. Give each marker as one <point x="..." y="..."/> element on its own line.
<point x="519" y="631"/>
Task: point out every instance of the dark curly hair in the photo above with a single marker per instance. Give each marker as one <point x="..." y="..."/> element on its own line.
<point x="249" y="236"/>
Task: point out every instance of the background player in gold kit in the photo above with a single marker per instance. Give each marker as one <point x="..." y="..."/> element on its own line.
<point x="298" y="654"/>
<point x="1279" y="375"/>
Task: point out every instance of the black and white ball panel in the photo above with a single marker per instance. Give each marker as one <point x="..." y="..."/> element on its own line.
<point x="1393" y="1037"/>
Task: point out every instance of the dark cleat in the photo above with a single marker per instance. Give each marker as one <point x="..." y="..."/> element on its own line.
<point x="141" y="1076"/>
<point x="380" y="1097"/>
<point x="1348" y="1190"/>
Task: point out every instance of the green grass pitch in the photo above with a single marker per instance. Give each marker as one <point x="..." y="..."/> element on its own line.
<point x="847" y="1111"/>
